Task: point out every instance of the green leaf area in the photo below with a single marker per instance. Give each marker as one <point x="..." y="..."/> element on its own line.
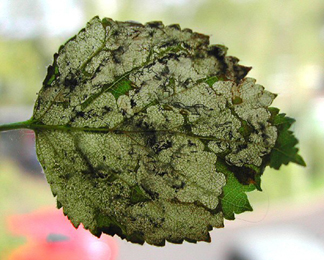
<point x="284" y="150"/>
<point x="234" y="199"/>
<point x="121" y="88"/>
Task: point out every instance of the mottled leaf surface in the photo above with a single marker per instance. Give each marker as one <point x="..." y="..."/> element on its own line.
<point x="149" y="132"/>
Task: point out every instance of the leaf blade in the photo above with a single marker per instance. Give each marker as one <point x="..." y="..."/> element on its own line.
<point x="150" y="133"/>
<point x="285" y="150"/>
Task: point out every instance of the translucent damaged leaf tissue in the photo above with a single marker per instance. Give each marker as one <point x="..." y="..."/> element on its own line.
<point x="150" y="133"/>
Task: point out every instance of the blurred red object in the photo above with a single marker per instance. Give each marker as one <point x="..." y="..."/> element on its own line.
<point x="51" y="236"/>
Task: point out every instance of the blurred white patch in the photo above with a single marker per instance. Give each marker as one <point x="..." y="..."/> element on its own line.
<point x="62" y="17"/>
<point x="162" y="5"/>
<point x="108" y="7"/>
<point x="279" y="243"/>
<point x="175" y="2"/>
<point x="311" y="76"/>
<point x="282" y="80"/>
<point x="319" y="112"/>
<point x="22" y="19"/>
<point x="98" y="250"/>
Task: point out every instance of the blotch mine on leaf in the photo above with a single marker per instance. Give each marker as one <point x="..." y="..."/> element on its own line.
<point x="148" y="132"/>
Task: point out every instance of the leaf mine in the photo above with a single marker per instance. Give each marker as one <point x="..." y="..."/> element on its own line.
<point x="145" y="131"/>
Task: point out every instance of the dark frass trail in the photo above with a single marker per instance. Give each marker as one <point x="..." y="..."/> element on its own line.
<point x="150" y="133"/>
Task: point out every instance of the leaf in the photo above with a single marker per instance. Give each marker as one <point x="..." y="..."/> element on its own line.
<point x="284" y="150"/>
<point x="234" y="199"/>
<point x="150" y="133"/>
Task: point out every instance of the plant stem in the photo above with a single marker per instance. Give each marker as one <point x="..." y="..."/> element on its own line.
<point x="18" y="125"/>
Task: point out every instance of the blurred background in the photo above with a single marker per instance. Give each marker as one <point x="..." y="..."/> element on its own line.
<point x="283" y="40"/>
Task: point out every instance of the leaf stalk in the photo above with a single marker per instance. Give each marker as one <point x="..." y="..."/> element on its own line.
<point x="17" y="125"/>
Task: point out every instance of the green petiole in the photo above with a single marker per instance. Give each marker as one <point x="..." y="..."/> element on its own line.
<point x="17" y="125"/>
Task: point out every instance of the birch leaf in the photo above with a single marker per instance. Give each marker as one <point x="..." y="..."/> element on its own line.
<point x="132" y="123"/>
